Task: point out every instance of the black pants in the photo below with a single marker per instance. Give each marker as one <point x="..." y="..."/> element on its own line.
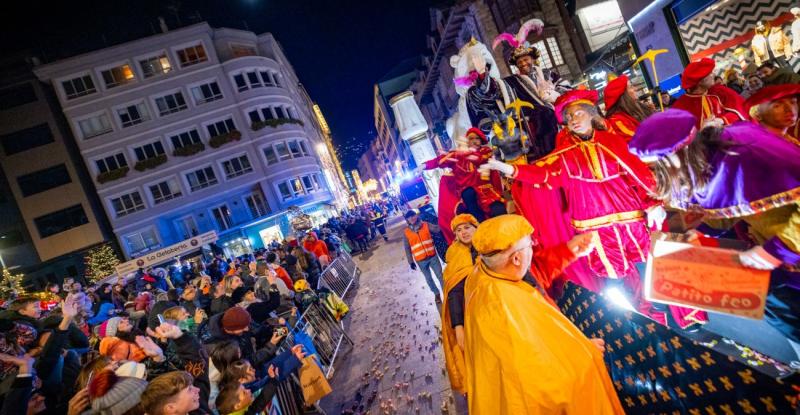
<point x="362" y="243"/>
<point x="470" y="198"/>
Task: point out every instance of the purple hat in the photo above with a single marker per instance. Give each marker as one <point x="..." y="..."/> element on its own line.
<point x="663" y="134"/>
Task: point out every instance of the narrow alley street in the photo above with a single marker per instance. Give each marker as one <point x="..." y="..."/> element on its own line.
<point x="396" y="365"/>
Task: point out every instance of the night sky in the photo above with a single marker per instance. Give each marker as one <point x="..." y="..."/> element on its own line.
<point x="339" y="49"/>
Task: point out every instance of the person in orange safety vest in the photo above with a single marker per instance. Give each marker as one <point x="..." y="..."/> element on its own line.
<point x="421" y="252"/>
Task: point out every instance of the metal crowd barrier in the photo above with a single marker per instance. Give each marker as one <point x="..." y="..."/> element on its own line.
<point x="341" y="275"/>
<point x="326" y="334"/>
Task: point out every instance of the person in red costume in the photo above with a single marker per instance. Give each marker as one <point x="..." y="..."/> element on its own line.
<point x="623" y="110"/>
<point x="774" y="107"/>
<point x="481" y="196"/>
<point x="607" y="189"/>
<point x="709" y="103"/>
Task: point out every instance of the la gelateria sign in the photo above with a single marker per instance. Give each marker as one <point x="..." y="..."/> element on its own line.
<point x="166" y="254"/>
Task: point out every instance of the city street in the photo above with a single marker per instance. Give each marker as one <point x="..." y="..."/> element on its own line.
<point x="396" y="365"/>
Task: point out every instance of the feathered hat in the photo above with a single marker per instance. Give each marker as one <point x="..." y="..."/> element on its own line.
<point x="519" y="41"/>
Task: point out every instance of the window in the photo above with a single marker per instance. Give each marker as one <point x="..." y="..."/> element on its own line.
<point x="42" y="180"/>
<point x="241" y="84"/>
<point x="187" y="227"/>
<point x="255" y="79"/>
<point x="127" y="204"/>
<point x="269" y="153"/>
<point x="16" y="96"/>
<point x="171" y="103"/>
<point x="281" y="112"/>
<point x="141" y="242"/>
<point x="304" y="148"/>
<point x="266" y="77"/>
<point x="286" y="194"/>
<point x="192" y="55"/>
<point x="157" y="65"/>
<point x="307" y="184"/>
<point x="78" y="87"/>
<point x="186" y="138"/>
<point x="262" y="114"/>
<point x="133" y="114"/>
<point x="283" y="151"/>
<point x="222" y="215"/>
<point x="243" y="50"/>
<point x="555" y="52"/>
<point x="148" y="151"/>
<point x="166" y="190"/>
<point x="118" y="75"/>
<point x="294" y="147"/>
<point x="206" y="93"/>
<point x="221" y="127"/>
<point x="112" y="162"/>
<point x="297" y="186"/>
<point x="60" y="221"/>
<point x="26" y="139"/>
<point x="315" y="179"/>
<point x="257" y="205"/>
<point x="202" y="178"/>
<point x="96" y="125"/>
<point x="237" y="166"/>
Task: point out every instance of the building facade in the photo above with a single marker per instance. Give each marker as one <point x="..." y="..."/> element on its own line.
<point x="50" y="215"/>
<point x="192" y="130"/>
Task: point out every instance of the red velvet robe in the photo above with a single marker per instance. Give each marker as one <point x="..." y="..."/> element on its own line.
<point x="606" y="188"/>
<point x="719" y="101"/>
<point x="622" y="124"/>
<point x="464" y="165"/>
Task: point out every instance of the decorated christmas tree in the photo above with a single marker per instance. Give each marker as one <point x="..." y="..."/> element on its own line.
<point x="100" y="263"/>
<point x="11" y="286"/>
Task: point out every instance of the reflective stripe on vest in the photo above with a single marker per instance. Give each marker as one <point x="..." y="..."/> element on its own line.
<point x="421" y="242"/>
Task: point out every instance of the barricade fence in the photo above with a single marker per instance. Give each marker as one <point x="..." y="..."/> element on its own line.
<point x="319" y="327"/>
<point x="341" y="275"/>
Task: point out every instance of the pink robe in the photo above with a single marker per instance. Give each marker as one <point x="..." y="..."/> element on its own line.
<point x="607" y="192"/>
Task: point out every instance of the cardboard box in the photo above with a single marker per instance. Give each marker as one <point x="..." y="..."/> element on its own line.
<point x="710" y="279"/>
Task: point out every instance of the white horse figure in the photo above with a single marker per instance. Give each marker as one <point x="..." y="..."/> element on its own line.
<point x="470" y="61"/>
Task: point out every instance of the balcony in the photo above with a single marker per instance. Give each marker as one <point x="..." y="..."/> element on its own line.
<point x="222" y="139"/>
<point x="274" y="123"/>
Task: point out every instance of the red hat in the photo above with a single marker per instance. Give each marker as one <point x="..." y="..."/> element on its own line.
<point x="578" y="96"/>
<point x="615" y="88"/>
<point x="771" y="93"/>
<point x="235" y="318"/>
<point x="477" y="132"/>
<point x="695" y="71"/>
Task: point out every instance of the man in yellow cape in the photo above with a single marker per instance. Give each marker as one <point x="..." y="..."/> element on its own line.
<point x="522" y="355"/>
<point x="460" y="262"/>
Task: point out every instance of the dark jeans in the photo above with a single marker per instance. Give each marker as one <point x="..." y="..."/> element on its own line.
<point x="783" y="305"/>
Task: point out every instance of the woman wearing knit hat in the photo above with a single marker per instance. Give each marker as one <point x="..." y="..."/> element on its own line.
<point x="119" y="342"/>
<point x="114" y="395"/>
<point x="460" y="262"/>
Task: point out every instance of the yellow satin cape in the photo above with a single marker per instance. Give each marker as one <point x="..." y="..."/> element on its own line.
<point x="459" y="266"/>
<point x="524" y="357"/>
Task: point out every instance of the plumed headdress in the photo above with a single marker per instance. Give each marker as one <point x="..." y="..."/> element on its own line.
<point x="519" y="41"/>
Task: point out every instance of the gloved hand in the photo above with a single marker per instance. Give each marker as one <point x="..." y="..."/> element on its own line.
<point x="656" y="216"/>
<point x="758" y="258"/>
<point x="413" y="266"/>
<point x="493" y="164"/>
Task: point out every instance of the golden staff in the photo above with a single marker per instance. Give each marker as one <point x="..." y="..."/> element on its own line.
<point x="651" y="56"/>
